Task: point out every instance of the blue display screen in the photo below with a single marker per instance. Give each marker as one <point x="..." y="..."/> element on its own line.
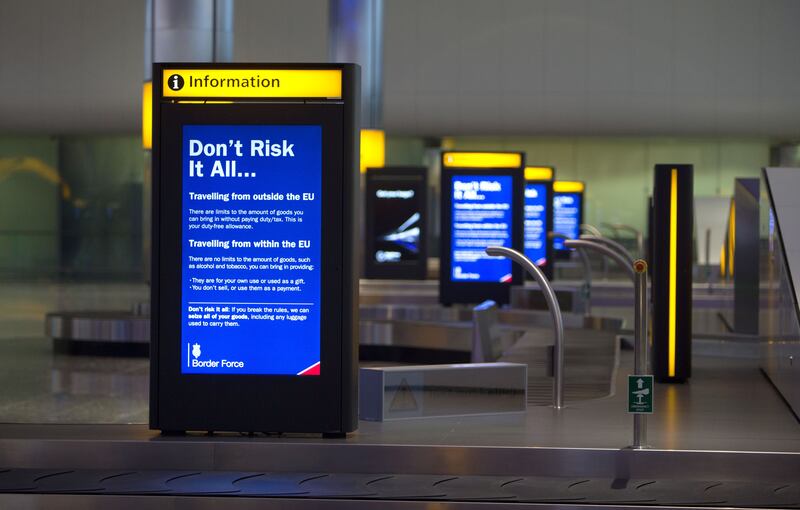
<point x="251" y="234"/>
<point x="481" y="216"/>
<point x="566" y="217"/>
<point x="536" y="211"/>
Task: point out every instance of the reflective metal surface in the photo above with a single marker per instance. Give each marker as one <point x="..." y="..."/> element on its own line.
<point x="422" y="391"/>
<point x="134" y="448"/>
<point x="506" y="316"/>
<point x="781" y="325"/>
<point x="105" y="326"/>
<point x="485" y="345"/>
<point x="230" y="486"/>
<point x="641" y="365"/>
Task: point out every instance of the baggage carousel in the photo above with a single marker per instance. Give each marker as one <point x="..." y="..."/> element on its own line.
<point x="127" y="467"/>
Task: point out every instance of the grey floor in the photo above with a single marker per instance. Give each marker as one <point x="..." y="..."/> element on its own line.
<point x="728" y="405"/>
<point x="38" y="386"/>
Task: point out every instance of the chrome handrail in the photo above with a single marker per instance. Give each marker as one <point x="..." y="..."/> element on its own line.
<point x="555" y="312"/>
<point x="587" y="272"/>
<point x="591" y="229"/>
<point x="614" y="245"/>
<point x="633" y="230"/>
<point x="605" y="250"/>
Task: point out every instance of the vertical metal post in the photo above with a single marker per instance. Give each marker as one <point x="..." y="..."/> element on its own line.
<point x="587" y="276"/>
<point x="708" y="260"/>
<point x="640" y="244"/>
<point x="355" y="34"/>
<point x="641" y="366"/>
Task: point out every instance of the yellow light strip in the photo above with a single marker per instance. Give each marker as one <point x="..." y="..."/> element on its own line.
<point x="482" y="159"/>
<point x="673" y="267"/>
<point x="252" y="83"/>
<point x="538" y="173"/>
<point x="731" y="237"/>
<point x="147" y="115"/>
<point x="568" y="186"/>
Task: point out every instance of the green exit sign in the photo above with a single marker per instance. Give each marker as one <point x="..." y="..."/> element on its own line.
<point x="640" y="394"/>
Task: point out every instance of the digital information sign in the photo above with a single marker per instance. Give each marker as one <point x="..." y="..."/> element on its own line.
<point x="480" y="208"/>
<point x="567" y="217"/>
<point x="538" y="222"/>
<point x="253" y="291"/>
<point x="396" y="223"/>
<point x="250" y="280"/>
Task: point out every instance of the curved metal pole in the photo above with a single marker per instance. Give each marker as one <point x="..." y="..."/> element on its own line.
<point x="613" y="245"/>
<point x="587" y="268"/>
<point x="587" y="272"/>
<point x="605" y="250"/>
<point x="633" y="230"/>
<point x="555" y="312"/>
<point x="612" y="227"/>
<point x="591" y="229"/>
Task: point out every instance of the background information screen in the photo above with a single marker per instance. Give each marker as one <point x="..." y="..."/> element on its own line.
<point x="536" y="223"/>
<point x="481" y="216"/>
<point x="566" y="217"/>
<point x="397" y="217"/>
<point x="251" y="235"/>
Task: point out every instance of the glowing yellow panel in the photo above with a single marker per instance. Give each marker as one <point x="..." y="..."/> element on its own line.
<point x="568" y="186"/>
<point x="147" y="115"/>
<point x="722" y="257"/>
<point x="373" y="149"/>
<point x="731" y="237"/>
<point x="538" y="173"/>
<point x="673" y="269"/>
<point x="252" y="83"/>
<point x="482" y="159"/>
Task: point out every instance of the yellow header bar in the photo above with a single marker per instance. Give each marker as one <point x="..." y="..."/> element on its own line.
<point x="538" y="173"/>
<point x="568" y="186"/>
<point x="482" y="159"/>
<point x="252" y="83"/>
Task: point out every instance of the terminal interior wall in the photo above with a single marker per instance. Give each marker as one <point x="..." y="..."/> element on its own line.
<point x="71" y="207"/>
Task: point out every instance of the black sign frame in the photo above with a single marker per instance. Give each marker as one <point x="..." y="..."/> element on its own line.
<point x="396" y="176"/>
<point x="684" y="253"/>
<point x="451" y="292"/>
<point x="547" y="268"/>
<point x="564" y="254"/>
<point x="324" y="404"/>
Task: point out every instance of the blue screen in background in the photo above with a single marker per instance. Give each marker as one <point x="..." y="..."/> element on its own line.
<point x="536" y="223"/>
<point x="481" y="216"/>
<point x="251" y="234"/>
<point x="566" y="217"/>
